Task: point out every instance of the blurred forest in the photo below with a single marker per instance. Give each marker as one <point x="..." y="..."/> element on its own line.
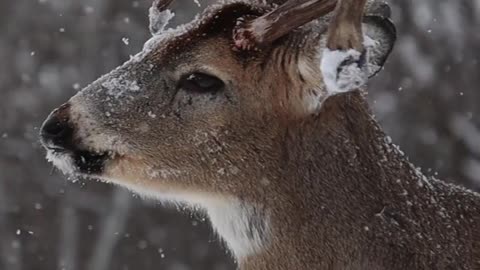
<point x="427" y="98"/>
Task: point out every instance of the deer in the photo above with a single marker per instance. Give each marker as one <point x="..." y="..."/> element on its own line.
<point x="256" y="114"/>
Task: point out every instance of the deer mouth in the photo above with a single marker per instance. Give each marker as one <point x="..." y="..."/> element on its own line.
<point x="79" y="161"/>
<point x="89" y="162"/>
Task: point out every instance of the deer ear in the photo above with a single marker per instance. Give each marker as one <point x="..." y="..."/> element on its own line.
<point x="379" y="38"/>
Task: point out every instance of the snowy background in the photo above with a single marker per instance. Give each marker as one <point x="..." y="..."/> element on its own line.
<point x="427" y="98"/>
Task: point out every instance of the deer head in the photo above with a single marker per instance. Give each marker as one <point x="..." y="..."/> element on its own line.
<point x="204" y="113"/>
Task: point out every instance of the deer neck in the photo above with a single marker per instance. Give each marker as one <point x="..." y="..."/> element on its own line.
<point x="331" y="166"/>
<point x="340" y="191"/>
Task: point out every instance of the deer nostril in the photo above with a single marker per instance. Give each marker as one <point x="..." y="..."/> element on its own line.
<point x="54" y="128"/>
<point x="56" y="131"/>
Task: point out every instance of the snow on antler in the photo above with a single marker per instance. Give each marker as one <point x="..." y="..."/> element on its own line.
<point x="344" y="62"/>
<point x="159" y="16"/>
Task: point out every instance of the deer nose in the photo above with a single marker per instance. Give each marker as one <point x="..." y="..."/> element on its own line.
<point x="56" y="132"/>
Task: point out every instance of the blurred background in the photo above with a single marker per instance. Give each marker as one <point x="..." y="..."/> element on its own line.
<point x="427" y="98"/>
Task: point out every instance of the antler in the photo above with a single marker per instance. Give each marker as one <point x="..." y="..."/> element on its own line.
<point x="159" y="15"/>
<point x="275" y="24"/>
<point x="162" y="5"/>
<point x="344" y="64"/>
<point x="345" y="31"/>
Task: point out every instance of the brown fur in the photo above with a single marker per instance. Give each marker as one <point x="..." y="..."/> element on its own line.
<point x="350" y="200"/>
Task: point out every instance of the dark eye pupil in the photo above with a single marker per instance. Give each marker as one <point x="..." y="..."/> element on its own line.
<point x="200" y="82"/>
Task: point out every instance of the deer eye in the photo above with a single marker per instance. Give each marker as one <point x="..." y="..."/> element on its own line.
<point x="201" y="83"/>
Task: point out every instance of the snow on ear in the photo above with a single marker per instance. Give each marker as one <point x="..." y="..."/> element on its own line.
<point x="159" y="18"/>
<point x="345" y="71"/>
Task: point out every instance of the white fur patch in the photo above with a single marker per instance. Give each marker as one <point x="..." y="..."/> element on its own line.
<point x="341" y="72"/>
<point x="63" y="162"/>
<point x="243" y="227"/>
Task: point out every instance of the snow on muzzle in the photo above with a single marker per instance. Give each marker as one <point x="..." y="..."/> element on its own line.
<point x="57" y="135"/>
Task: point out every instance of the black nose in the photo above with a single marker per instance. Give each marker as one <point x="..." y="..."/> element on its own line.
<point x="57" y="132"/>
